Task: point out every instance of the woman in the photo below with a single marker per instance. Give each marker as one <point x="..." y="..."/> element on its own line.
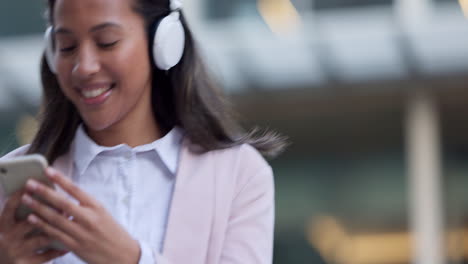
<point x="151" y="166"/>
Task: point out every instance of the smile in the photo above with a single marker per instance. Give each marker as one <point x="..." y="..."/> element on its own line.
<point x="95" y="94"/>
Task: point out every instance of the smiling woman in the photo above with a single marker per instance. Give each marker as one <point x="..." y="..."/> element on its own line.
<point x="101" y="59"/>
<point x="138" y="134"/>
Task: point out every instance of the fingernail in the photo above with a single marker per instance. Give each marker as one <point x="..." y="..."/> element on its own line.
<point x="31" y="184"/>
<point x="27" y="199"/>
<point x="51" y="172"/>
<point x="32" y="218"/>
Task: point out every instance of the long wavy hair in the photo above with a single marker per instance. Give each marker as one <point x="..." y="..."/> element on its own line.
<point x="185" y="96"/>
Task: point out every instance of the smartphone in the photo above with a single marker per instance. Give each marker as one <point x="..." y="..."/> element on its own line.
<point x="15" y="172"/>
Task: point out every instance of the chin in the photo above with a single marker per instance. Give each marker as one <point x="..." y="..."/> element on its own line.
<point x="96" y="124"/>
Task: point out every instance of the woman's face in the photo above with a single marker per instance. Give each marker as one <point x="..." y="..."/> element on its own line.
<point x="102" y="61"/>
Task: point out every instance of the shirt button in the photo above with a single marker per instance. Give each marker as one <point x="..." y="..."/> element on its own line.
<point x="128" y="156"/>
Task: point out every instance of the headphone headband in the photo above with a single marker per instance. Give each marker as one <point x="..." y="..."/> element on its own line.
<point x="176" y="5"/>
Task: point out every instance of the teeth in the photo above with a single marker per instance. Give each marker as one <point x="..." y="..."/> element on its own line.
<point x="94" y="93"/>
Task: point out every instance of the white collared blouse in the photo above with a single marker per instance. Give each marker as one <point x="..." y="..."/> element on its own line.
<point x="135" y="185"/>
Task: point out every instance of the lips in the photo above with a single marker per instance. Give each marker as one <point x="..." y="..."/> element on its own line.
<point x="96" y="93"/>
<point x="93" y="93"/>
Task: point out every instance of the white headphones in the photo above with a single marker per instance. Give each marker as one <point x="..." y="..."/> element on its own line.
<point x="167" y="44"/>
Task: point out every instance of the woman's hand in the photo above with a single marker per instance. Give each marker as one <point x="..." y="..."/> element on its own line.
<point x="92" y="233"/>
<point x="16" y="247"/>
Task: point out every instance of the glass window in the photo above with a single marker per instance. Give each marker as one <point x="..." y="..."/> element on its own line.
<point x="21" y="17"/>
<point x="222" y="9"/>
<point x="329" y="4"/>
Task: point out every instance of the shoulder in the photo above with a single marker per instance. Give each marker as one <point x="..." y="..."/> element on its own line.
<point x="244" y="157"/>
<point x="17" y="152"/>
<point x="245" y="153"/>
<point x="247" y="156"/>
<point x="237" y="167"/>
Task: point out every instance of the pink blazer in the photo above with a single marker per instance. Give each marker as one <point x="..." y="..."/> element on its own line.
<point x="222" y="209"/>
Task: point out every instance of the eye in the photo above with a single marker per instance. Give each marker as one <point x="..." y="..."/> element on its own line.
<point x="67" y="49"/>
<point x="65" y="44"/>
<point x="108" y="44"/>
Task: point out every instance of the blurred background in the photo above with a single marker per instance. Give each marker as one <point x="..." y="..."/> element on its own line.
<point x="371" y="93"/>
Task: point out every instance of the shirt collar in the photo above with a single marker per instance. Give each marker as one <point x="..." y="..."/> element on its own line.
<point x="168" y="147"/>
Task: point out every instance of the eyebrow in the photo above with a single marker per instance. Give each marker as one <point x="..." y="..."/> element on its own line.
<point x="61" y="30"/>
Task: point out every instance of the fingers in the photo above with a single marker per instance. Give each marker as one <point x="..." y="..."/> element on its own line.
<point x="53" y="232"/>
<point x="55" y="199"/>
<point x="21" y="230"/>
<point x="44" y="257"/>
<point x="15" y="236"/>
<point x="36" y="243"/>
<point x="70" y="188"/>
<point x="7" y="218"/>
<point x="26" y="247"/>
<point x="51" y="216"/>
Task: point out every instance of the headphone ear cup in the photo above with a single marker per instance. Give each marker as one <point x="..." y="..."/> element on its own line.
<point x="49" y="52"/>
<point x="168" y="42"/>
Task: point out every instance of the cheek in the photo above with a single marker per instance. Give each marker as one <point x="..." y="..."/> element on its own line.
<point x="64" y="81"/>
<point x="63" y="71"/>
<point x="133" y="67"/>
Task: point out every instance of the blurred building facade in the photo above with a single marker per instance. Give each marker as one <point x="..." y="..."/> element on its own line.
<point x="371" y="93"/>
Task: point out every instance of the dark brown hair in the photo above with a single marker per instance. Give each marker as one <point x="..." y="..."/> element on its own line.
<point x="184" y="96"/>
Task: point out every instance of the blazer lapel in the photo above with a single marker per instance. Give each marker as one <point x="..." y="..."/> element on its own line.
<point x="191" y="211"/>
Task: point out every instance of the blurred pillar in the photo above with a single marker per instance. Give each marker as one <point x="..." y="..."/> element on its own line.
<point x="424" y="163"/>
<point x="412" y="14"/>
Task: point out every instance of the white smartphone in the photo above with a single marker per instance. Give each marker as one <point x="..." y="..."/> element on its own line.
<point x="15" y="172"/>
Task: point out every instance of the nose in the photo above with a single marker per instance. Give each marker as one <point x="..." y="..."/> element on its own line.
<point x="86" y="63"/>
